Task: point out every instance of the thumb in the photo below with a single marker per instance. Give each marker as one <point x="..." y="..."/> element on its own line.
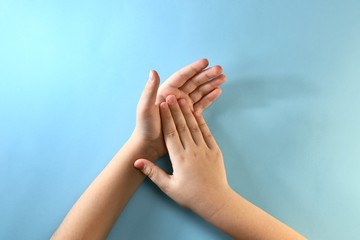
<point x="148" y="95"/>
<point x="156" y="174"/>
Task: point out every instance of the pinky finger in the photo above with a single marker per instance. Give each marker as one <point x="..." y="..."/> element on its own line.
<point x="207" y="100"/>
<point x="208" y="137"/>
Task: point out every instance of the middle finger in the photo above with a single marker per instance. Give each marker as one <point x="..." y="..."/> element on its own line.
<point x="180" y="122"/>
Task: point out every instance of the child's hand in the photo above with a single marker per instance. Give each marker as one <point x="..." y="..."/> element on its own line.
<point x="199" y="179"/>
<point x="197" y="86"/>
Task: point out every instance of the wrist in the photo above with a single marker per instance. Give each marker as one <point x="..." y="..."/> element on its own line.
<point x="143" y="148"/>
<point x="222" y="201"/>
<point x="213" y="203"/>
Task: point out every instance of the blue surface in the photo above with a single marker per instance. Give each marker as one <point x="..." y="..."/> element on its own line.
<point x="288" y="121"/>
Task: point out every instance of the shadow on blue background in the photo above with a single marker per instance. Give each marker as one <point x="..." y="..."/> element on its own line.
<point x="287" y="122"/>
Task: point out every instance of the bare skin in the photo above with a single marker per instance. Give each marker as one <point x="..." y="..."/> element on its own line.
<point x="170" y="120"/>
<point x="197" y="85"/>
<point x="199" y="179"/>
<point x="95" y="212"/>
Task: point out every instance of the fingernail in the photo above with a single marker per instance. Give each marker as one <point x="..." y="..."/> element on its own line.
<point x="218" y="68"/>
<point x="139" y="165"/>
<point x="151" y="76"/>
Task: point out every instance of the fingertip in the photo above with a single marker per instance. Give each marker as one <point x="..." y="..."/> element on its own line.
<point x="182" y="102"/>
<point x="198" y="114"/>
<point x="164" y="109"/>
<point x="163" y="105"/>
<point x="156" y="74"/>
<point x="218" y="69"/>
<point x="153" y="77"/>
<point x="139" y="164"/>
<point x="171" y="99"/>
<point x="218" y="91"/>
<point x="207" y="100"/>
<point x="214" y="94"/>
<point x="205" y="61"/>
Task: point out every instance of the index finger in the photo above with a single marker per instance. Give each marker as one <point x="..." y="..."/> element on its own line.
<point x="180" y="77"/>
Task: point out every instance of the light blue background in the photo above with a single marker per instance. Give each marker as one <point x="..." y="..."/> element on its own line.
<point x="288" y="120"/>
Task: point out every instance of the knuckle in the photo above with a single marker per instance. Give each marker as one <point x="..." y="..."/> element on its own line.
<point x="183" y="75"/>
<point x="208" y="135"/>
<point x="148" y="171"/>
<point x="171" y="133"/>
<point x="194" y="129"/>
<point x="196" y="95"/>
<point x="198" y="108"/>
<point x="182" y="128"/>
<point x="202" y="124"/>
<point x="193" y="70"/>
<point x="188" y="114"/>
<point x="182" y="156"/>
<point x="196" y="81"/>
<point x="208" y="75"/>
<point x="192" y="85"/>
<point x="194" y="154"/>
<point x="218" y="153"/>
<point x="151" y="173"/>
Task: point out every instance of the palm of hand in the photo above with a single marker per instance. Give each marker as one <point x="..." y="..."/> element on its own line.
<point x="166" y="90"/>
<point x="197" y="86"/>
<point x="151" y="123"/>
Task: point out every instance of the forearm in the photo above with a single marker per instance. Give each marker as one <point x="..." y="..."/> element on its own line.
<point x="100" y="205"/>
<point x="243" y="220"/>
<point x="93" y="215"/>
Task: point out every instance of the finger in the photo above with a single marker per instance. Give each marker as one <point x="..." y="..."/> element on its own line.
<point x="206" y="88"/>
<point x="207" y="100"/>
<point x="191" y="122"/>
<point x="156" y="174"/>
<point x="148" y="96"/>
<point x="207" y="136"/>
<point x="180" y="77"/>
<point x="179" y="120"/>
<point x="201" y="78"/>
<point x="171" y="136"/>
